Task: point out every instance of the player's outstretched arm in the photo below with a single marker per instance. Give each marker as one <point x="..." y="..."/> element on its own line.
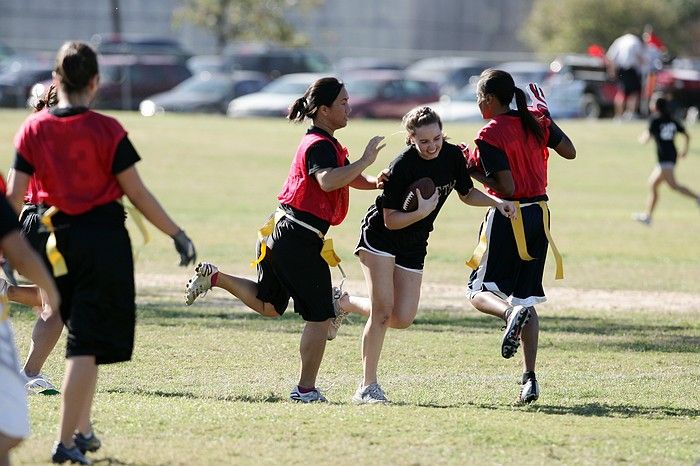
<point x="148" y="205"/>
<point x="331" y="179"/>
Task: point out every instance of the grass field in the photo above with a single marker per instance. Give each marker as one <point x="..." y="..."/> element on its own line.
<point x="209" y="384"/>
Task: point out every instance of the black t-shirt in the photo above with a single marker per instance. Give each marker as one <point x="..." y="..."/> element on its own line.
<point x="448" y="171"/>
<point x="321" y="154"/>
<point x="663" y="129"/>
<point x="494" y="159"/>
<point x="125" y="155"/>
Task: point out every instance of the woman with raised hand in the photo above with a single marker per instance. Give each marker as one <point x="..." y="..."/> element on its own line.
<point x="85" y="163"/>
<point x="314" y="197"/>
<point x="510" y="159"/>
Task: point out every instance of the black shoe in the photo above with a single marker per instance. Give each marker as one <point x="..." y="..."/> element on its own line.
<point x="61" y="454"/>
<point x="84" y="443"/>
<point x="517" y="319"/>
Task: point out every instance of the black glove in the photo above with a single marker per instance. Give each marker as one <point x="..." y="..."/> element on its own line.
<point x="185" y="247"/>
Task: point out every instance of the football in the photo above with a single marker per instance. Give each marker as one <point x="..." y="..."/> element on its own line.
<point x="427" y="189"/>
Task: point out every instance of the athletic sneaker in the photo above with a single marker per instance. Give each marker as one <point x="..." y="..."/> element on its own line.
<point x="61" y="454"/>
<point x="340" y="315"/>
<point x="312" y="396"/>
<point x="529" y="392"/>
<point x="3" y="286"/>
<point x="200" y="282"/>
<point x="84" y="443"/>
<point x="642" y="218"/>
<point x="39" y="385"/>
<point x="519" y="315"/>
<point x="371" y="394"/>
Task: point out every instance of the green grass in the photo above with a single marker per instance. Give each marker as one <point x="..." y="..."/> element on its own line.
<point x="209" y="384"/>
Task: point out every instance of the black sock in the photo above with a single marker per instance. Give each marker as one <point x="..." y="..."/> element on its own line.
<point x="528" y="375"/>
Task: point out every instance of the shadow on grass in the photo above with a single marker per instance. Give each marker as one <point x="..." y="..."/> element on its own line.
<point x="606" y="410"/>
<point x="588" y="409"/>
<point x="262" y="398"/>
<point x="117" y="462"/>
<point x="637" y="335"/>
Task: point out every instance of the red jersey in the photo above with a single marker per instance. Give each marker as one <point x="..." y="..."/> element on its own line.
<point x="72" y="159"/>
<point x="527" y="156"/>
<point x="303" y="192"/>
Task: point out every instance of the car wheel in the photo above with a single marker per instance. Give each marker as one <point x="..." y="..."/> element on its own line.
<point x="590" y="107"/>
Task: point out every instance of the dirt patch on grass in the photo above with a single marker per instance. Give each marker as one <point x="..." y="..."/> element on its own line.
<point x="452" y="297"/>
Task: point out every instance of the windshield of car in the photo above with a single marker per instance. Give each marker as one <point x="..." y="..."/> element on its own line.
<point x="363" y="88"/>
<point x="204" y="85"/>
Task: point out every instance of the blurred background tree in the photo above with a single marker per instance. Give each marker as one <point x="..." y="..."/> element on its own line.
<point x="556" y="26"/>
<point x="255" y="20"/>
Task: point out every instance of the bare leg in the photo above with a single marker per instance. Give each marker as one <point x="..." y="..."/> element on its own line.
<point x="311" y="349"/>
<point x="355" y="305"/>
<point x="379" y="276"/>
<point x="489" y="303"/>
<point x="28" y="295"/>
<point x="45" y="335"/>
<point x="529" y="338"/>
<point x="670" y="178"/>
<point x="632" y="101"/>
<point x="7" y="444"/>
<point x="619" y="102"/>
<point x="655" y="180"/>
<point x="78" y="391"/>
<point x="246" y="290"/>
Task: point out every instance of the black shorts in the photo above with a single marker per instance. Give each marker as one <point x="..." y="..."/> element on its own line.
<point x="501" y="270"/>
<point x="629" y="81"/>
<point x="33" y="230"/>
<point x="98" y="293"/>
<point x="293" y="267"/>
<point x="407" y="254"/>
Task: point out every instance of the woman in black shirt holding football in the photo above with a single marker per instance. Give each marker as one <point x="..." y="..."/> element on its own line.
<point x="393" y="242"/>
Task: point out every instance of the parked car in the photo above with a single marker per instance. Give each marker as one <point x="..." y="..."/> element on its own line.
<point x="598" y="90"/>
<point x="525" y="72"/>
<point x="460" y="107"/>
<point x="275" y="61"/>
<point x="274" y="99"/>
<point x="117" y="44"/>
<point x="205" y="93"/>
<point x="126" y="80"/>
<point x="352" y="64"/>
<point x="211" y="63"/>
<point x="17" y="76"/>
<point x="681" y="84"/>
<point x="451" y="73"/>
<point x="5" y="52"/>
<point x="386" y="93"/>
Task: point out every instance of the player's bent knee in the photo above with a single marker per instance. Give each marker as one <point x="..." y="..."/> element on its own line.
<point x="269" y="310"/>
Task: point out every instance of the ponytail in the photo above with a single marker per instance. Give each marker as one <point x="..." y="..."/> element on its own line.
<point x="297" y="112"/>
<point x="322" y="92"/>
<point x="529" y="122"/>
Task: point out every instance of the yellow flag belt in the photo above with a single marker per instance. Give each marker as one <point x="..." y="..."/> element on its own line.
<point x="58" y="262"/>
<point x="327" y="251"/>
<point x="520" y="241"/>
